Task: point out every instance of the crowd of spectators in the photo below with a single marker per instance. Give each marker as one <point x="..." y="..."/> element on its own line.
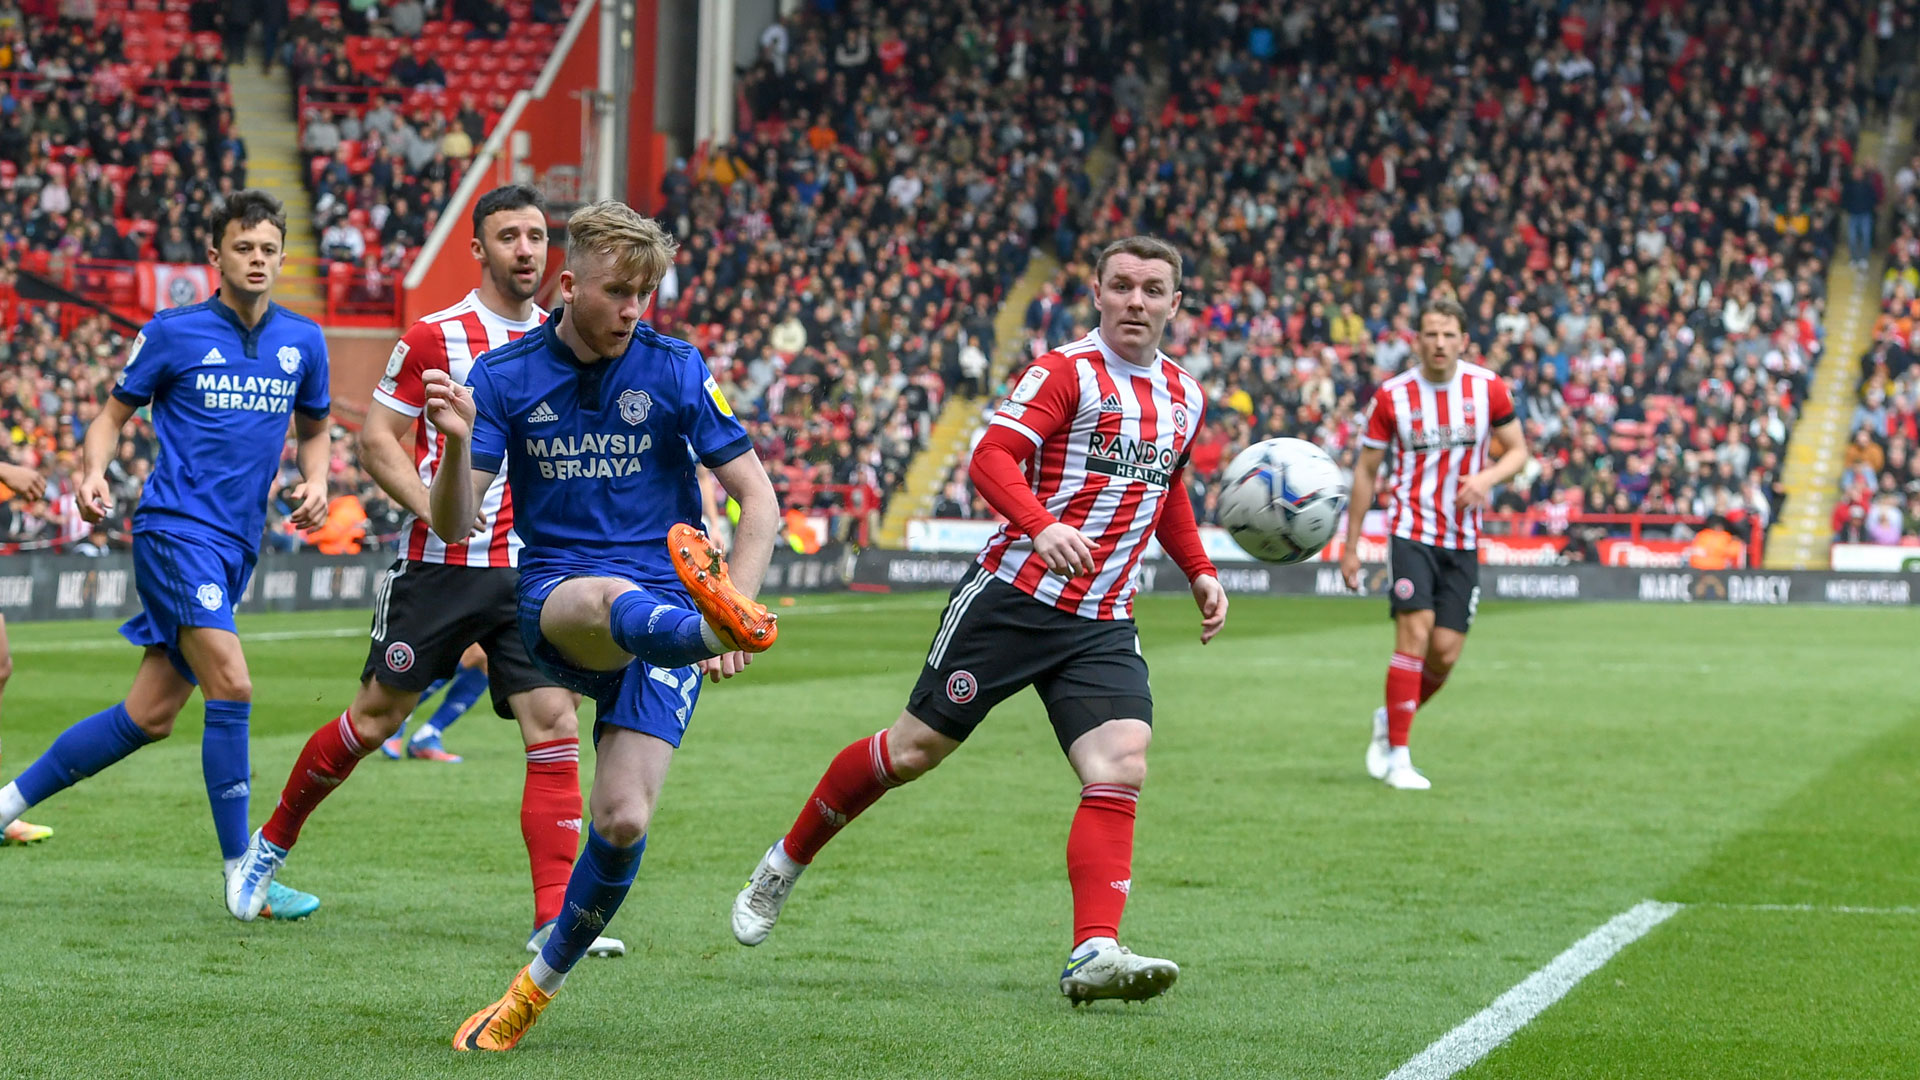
<point x="1880" y="480"/>
<point x="103" y="158"/>
<point x="387" y="138"/>
<point x="1634" y="203"/>
<point x="843" y="258"/>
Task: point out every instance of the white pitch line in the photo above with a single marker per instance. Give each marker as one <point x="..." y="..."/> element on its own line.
<point x="1816" y="909"/>
<point x="1513" y="1010"/>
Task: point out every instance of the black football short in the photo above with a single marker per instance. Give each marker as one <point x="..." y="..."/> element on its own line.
<point x="426" y="614"/>
<point x="995" y="641"/>
<point x="1445" y="581"/>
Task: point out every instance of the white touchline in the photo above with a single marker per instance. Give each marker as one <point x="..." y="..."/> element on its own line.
<point x="1513" y="1010"/>
<point x="1816" y="909"/>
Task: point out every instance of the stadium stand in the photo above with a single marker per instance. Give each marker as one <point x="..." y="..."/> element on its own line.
<point x="843" y="259"/>
<point x="1646" y="268"/>
<point x="114" y="144"/>
<point x="1880" y="482"/>
<point x="391" y="108"/>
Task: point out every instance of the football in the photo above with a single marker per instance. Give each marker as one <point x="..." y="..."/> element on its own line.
<point x="1281" y="499"/>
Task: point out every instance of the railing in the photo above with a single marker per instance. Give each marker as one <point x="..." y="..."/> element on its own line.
<point x="354" y="291"/>
<point x="109" y="83"/>
<point x="14" y="311"/>
<point x="1536" y="522"/>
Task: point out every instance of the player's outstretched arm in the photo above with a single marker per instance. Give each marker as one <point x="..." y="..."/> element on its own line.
<point x="457" y="485"/>
<point x="309" y="496"/>
<point x="94" y="496"/>
<point x="746" y="480"/>
<point x="1358" y="503"/>
<point x="384" y="455"/>
<point x="22" y="480"/>
<point x="1179" y="534"/>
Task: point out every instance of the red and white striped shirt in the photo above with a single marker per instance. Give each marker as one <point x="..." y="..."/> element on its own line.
<point x="1109" y="435"/>
<point x="1437" y="436"/>
<point x="449" y="341"/>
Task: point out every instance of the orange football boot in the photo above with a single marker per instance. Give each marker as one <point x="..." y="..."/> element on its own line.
<point x="500" y="1025"/>
<point x="748" y="625"/>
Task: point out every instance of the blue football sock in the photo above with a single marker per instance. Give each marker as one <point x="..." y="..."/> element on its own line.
<point x="663" y="635"/>
<point x="80" y="751"/>
<point x="433" y="688"/>
<point x="224" y="766"/>
<point x="599" y="883"/>
<point x="466" y="689"/>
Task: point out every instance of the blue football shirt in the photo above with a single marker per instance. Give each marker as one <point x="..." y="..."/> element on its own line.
<point x="600" y="457"/>
<point x="221" y="395"/>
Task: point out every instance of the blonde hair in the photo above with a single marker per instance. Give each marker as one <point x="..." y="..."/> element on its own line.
<point x="638" y="246"/>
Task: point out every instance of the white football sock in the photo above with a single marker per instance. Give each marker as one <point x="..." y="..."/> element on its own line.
<point x="12" y="804"/>
<point x="1379" y="724"/>
<point x="426" y="732"/>
<point x="1090" y="945"/>
<point x="227" y="866"/>
<point x="1399" y="758"/>
<point x="713" y="639"/>
<point x="784" y="862"/>
<point x="544" y="977"/>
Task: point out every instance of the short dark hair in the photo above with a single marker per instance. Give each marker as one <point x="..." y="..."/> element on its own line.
<point x="1140" y="247"/>
<point x="1446" y="308"/>
<point x="510" y="197"/>
<point x="249" y="208"/>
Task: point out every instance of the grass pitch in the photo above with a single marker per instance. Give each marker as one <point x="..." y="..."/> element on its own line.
<point x="1584" y="758"/>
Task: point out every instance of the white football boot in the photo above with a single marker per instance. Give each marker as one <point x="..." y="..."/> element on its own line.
<point x="1378" y="751"/>
<point x="252" y="876"/>
<point x="602" y="946"/>
<point x="1402" y="775"/>
<point x="758" y="906"/>
<point x="1103" y="968"/>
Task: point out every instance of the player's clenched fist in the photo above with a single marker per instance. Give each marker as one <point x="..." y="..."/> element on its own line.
<point x="1066" y="550"/>
<point x="449" y="404"/>
<point x="309" y="505"/>
<point x="93" y="497"/>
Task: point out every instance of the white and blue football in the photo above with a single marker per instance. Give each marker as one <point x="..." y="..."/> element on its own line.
<point x="1281" y="500"/>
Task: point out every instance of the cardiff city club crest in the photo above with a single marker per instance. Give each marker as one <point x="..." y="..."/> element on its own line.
<point x="634" y="406"/>
<point x="289" y="359"/>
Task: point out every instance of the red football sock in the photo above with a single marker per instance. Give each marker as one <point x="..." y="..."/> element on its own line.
<point x="326" y="761"/>
<point x="550" y="821"/>
<point x="1100" y="859"/>
<point x="1403" y="696"/>
<point x="1431" y="681"/>
<point x="859" y="775"/>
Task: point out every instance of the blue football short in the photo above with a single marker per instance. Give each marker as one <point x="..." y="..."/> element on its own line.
<point x="640" y="697"/>
<point x="184" y="581"/>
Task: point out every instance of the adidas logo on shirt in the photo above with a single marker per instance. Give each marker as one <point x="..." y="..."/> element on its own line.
<point x="1111" y="403"/>
<point x="544" y="414"/>
<point x="213" y="357"/>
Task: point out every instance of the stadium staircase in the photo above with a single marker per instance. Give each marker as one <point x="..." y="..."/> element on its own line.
<point x="263" y="112"/>
<point x="960" y="414"/>
<point x="1800" y="539"/>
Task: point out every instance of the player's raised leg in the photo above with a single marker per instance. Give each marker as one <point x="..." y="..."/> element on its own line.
<point x="1111" y="761"/>
<point x="90" y="745"/>
<point x="630" y="769"/>
<point x="855" y="779"/>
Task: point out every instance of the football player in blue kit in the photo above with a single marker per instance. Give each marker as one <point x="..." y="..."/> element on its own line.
<point x="601" y="423"/>
<point x="222" y="377"/>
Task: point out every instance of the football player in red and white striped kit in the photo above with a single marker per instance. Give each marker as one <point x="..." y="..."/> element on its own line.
<point x="1437" y="419"/>
<point x="1085" y="461"/>
<point x="438" y="599"/>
